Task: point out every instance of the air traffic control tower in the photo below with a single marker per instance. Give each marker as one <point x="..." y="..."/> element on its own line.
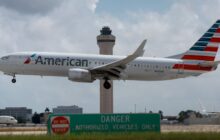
<point x="106" y="42"/>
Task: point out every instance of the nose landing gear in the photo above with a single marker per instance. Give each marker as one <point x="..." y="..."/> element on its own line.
<point x="13" y="79"/>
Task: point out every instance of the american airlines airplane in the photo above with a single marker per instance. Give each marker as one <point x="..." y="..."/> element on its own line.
<point x="199" y="59"/>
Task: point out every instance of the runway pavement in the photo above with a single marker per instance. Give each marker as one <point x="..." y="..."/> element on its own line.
<point x="12" y="130"/>
<point x="190" y="128"/>
<point x="42" y="130"/>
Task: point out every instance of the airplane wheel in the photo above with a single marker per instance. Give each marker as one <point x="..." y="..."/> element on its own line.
<point x="13" y="80"/>
<point x="107" y="85"/>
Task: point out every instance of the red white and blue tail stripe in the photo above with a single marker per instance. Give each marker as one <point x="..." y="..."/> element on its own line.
<point x="202" y="52"/>
<point x="206" y="47"/>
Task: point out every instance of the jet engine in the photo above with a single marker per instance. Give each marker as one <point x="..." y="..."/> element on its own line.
<point x="80" y="75"/>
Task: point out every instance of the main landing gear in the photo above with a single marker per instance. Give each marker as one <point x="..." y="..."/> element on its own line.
<point x="13" y="79"/>
<point x="107" y="84"/>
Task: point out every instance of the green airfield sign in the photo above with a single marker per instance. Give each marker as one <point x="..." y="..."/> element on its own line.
<point x="75" y="123"/>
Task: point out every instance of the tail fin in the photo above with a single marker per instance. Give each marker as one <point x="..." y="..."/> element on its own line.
<point x="205" y="49"/>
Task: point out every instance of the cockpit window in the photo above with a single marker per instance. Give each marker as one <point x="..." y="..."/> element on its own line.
<point x="5" y="58"/>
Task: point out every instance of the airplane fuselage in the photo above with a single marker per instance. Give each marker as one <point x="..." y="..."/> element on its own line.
<point x="58" y="64"/>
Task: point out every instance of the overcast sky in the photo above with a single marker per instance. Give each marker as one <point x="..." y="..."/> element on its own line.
<point x="171" y="27"/>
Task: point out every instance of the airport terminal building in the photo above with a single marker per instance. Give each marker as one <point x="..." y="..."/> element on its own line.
<point x="68" y="110"/>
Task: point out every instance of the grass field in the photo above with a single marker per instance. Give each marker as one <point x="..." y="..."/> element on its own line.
<point x="121" y="136"/>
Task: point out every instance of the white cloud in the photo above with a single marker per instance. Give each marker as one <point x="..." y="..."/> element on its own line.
<point x="72" y="26"/>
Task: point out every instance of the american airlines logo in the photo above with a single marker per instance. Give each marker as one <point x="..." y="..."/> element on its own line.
<point x="29" y="59"/>
<point x="58" y="61"/>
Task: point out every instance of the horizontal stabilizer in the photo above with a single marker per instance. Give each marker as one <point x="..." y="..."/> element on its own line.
<point x="209" y="63"/>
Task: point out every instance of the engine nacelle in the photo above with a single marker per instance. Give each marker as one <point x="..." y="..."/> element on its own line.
<point x="80" y="75"/>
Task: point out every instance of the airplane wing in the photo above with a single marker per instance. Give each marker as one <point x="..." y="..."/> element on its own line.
<point x="115" y="69"/>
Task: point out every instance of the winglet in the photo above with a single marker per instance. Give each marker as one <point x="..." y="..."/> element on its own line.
<point x="140" y="49"/>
